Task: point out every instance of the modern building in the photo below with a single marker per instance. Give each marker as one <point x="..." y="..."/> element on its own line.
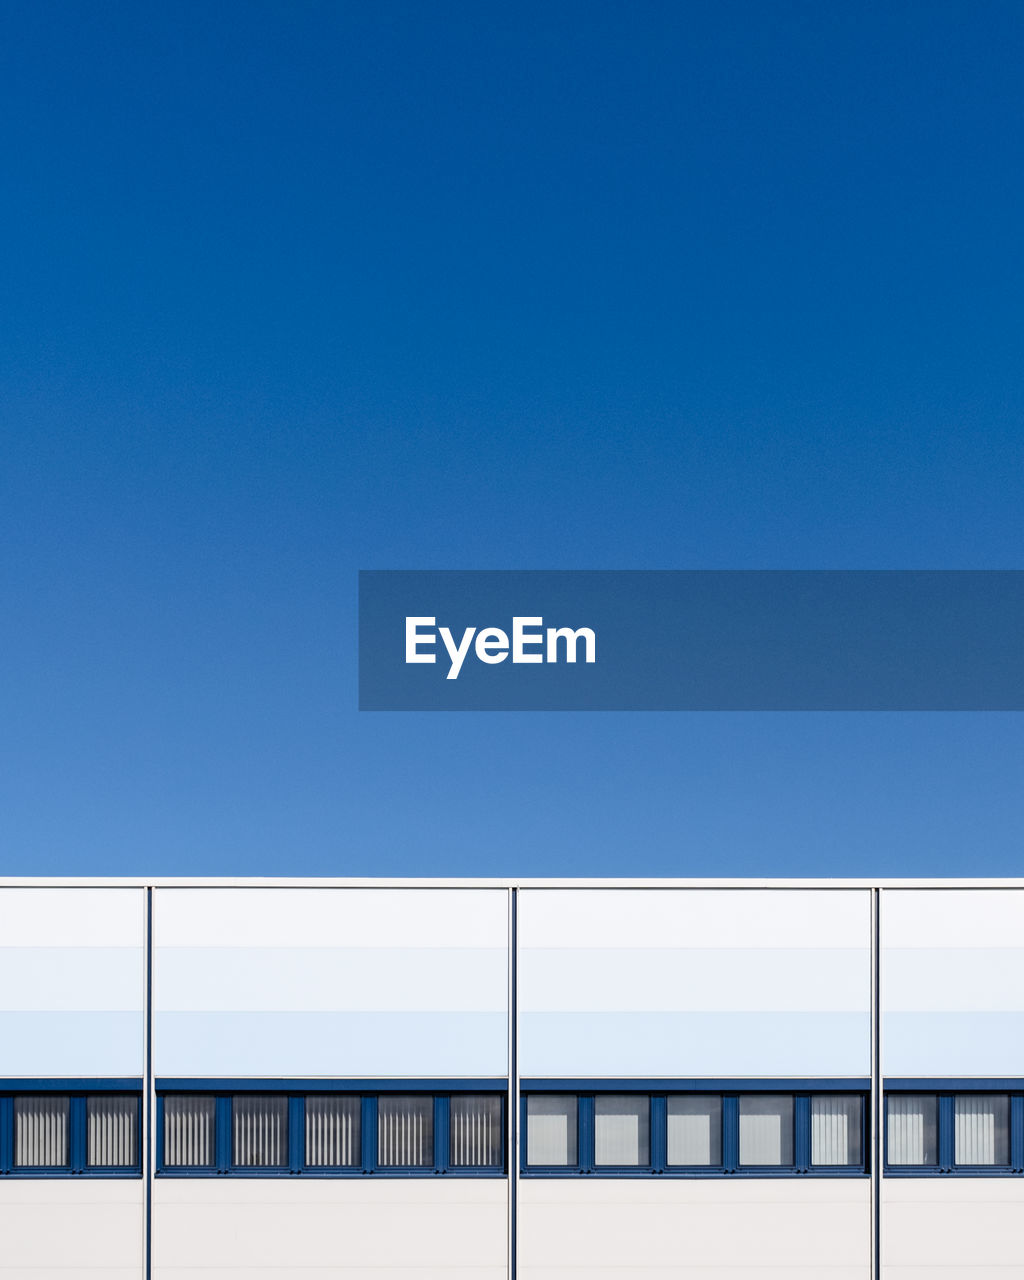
<point x="455" y="1080"/>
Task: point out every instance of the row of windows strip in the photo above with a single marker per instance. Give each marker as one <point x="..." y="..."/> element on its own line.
<point x="693" y="1130"/>
<point x="332" y="1131"/>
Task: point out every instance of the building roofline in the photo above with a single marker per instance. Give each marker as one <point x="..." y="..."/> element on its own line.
<point x="497" y="882"/>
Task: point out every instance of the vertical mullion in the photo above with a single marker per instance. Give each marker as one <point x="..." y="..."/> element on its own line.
<point x="946" y="1127"/>
<point x="222" y="1133"/>
<point x="524" y="1132"/>
<point x="6" y="1134"/>
<point x="865" y="1144"/>
<point x="159" y="1134"/>
<point x="368" y="1131"/>
<point x="442" y="1142"/>
<point x="730" y="1133"/>
<point x="76" y="1134"/>
<point x="585" y="1132"/>
<point x="659" y="1133"/>
<point x="802" y="1132"/>
<point x="1017" y="1132"/>
<point x="296" y="1132"/>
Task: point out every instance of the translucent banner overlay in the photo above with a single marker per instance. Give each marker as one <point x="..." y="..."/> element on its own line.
<point x="834" y="640"/>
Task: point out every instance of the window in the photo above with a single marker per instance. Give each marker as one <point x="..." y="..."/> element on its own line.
<point x="912" y="1129"/>
<point x="949" y="1133"/>
<point x="837" y="1130"/>
<point x="405" y="1132"/>
<point x="41" y="1132"/>
<point x="475" y="1135"/>
<point x="112" y="1127"/>
<point x="981" y="1129"/>
<point x="694" y="1130"/>
<point x="622" y="1130"/>
<point x="259" y="1131"/>
<point x="188" y="1132"/>
<point x="693" y="1134"/>
<point x="57" y="1134"/>
<point x="766" y="1129"/>
<point x="268" y="1134"/>
<point x="551" y="1129"/>
<point x="333" y="1131"/>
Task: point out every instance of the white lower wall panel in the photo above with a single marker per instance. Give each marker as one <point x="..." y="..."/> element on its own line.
<point x="71" y="1229"/>
<point x="952" y="1229"/>
<point x="344" y="1229"/>
<point x="754" y="1229"/>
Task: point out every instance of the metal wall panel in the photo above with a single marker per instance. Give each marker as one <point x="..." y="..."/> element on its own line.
<point x="72" y="982"/>
<point x="681" y="982"/>
<point x="334" y="982"/>
<point x="952" y="968"/>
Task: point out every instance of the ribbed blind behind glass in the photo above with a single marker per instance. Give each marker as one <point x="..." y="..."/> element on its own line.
<point x="188" y="1130"/>
<point x="694" y="1130"/>
<point x="766" y="1129"/>
<point x="622" y="1129"/>
<point x="981" y="1128"/>
<point x="333" y="1130"/>
<point x="259" y="1130"/>
<point x="405" y="1131"/>
<point x="41" y="1131"/>
<point x="551" y="1129"/>
<point x="912" y="1128"/>
<point x="112" y="1131"/>
<point x="475" y="1124"/>
<point x="835" y="1129"/>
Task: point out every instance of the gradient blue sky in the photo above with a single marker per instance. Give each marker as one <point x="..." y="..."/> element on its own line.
<point x="290" y="290"/>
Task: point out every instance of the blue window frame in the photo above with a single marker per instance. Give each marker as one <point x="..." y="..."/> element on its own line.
<point x="954" y="1128"/>
<point x="685" y="1132"/>
<point x="258" y="1131"/>
<point x="57" y="1129"/>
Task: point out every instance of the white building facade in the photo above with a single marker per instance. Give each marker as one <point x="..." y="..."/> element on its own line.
<point x="370" y="1080"/>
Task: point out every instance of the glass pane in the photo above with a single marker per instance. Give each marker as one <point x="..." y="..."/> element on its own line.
<point x="981" y="1133"/>
<point x="694" y="1130"/>
<point x="259" y="1130"/>
<point x="912" y="1128"/>
<point x="112" y="1131"/>
<point x="622" y="1129"/>
<point x="405" y="1131"/>
<point x="475" y="1123"/>
<point x="188" y="1131"/>
<point x="836" y="1129"/>
<point x="766" y="1129"/>
<point x="551" y="1129"/>
<point x="41" y="1131"/>
<point x="333" y="1130"/>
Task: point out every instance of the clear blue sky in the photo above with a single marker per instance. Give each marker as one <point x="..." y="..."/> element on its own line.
<point x="293" y="289"/>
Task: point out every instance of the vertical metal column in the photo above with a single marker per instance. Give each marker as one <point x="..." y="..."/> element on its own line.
<point x="149" y="1096"/>
<point x="513" y="1081"/>
<point x="877" y="1144"/>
